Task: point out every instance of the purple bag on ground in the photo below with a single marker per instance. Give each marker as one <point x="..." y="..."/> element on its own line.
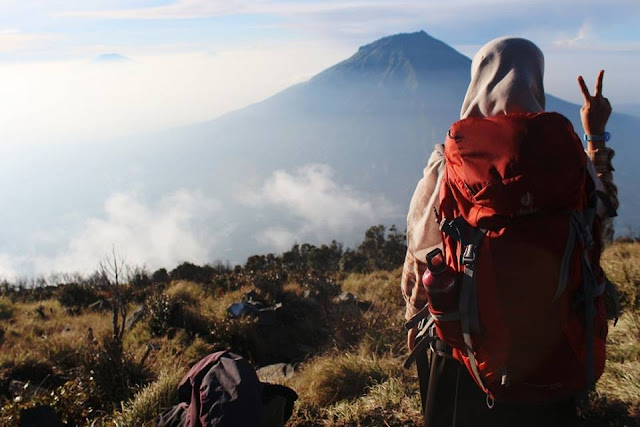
<point x="223" y="390"/>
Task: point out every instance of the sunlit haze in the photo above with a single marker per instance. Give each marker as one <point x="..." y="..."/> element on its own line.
<point x="74" y="72"/>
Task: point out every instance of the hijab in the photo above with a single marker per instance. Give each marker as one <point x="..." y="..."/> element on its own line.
<point x="506" y="77"/>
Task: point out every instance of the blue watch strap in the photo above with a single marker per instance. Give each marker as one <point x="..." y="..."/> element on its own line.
<point x="603" y="137"/>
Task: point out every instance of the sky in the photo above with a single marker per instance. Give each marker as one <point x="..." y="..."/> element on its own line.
<point x="78" y="72"/>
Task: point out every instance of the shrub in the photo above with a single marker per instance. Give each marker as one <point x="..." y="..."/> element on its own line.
<point x="114" y="371"/>
<point x="139" y="278"/>
<point x="76" y="402"/>
<point x="160" y="276"/>
<point x="77" y="295"/>
<point x="193" y="273"/>
<point x="166" y="312"/>
<point x="7" y="309"/>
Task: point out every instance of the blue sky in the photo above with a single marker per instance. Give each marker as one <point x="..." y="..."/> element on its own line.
<point x="193" y="60"/>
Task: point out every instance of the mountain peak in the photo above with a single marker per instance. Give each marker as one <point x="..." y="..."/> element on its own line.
<point x="419" y="39"/>
<point x="409" y="58"/>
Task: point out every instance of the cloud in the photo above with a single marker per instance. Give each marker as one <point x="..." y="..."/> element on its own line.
<point x="583" y="32"/>
<point x="9" y="266"/>
<point x="192" y="9"/>
<point x="12" y="40"/>
<point x="158" y="235"/>
<point x="66" y="101"/>
<point x="324" y="208"/>
<point x="363" y="20"/>
<point x="278" y="238"/>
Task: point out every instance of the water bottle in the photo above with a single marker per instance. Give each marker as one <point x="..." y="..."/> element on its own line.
<point x="442" y="284"/>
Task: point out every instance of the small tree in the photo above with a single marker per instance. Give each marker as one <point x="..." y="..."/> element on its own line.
<point x="111" y="269"/>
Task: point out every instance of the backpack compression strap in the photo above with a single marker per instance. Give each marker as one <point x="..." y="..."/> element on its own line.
<point x="590" y="288"/>
<point x="470" y="239"/>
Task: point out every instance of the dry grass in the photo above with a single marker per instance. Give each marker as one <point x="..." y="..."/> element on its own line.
<point x="618" y="390"/>
<point x="186" y="291"/>
<point x="334" y="377"/>
<point x="389" y="403"/>
<point x="355" y="388"/>
<point x="620" y="381"/>
<point x="621" y="261"/>
<point x="147" y="404"/>
<point x="28" y="335"/>
<point x="357" y="381"/>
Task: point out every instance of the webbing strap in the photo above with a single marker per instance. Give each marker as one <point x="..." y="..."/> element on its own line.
<point x="589" y="317"/>
<point x="415" y="320"/>
<point x="566" y="261"/>
<point x="582" y="223"/>
<point x="470" y="239"/>
<point x="446" y="317"/>
<point x="465" y="300"/>
<point x="422" y="340"/>
<point x="469" y="259"/>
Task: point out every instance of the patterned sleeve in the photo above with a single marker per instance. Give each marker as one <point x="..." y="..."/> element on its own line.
<point x="601" y="160"/>
<point x="423" y="233"/>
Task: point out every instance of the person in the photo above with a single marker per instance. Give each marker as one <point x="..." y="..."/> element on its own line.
<point x="506" y="78"/>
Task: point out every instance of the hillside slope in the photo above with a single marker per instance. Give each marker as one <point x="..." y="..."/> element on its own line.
<point x="342" y="333"/>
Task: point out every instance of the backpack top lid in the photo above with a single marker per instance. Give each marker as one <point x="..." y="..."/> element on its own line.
<point x="513" y="165"/>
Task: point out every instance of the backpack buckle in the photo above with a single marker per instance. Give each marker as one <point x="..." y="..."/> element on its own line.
<point x="469" y="255"/>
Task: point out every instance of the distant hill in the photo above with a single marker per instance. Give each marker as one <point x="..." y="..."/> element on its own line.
<point x="112" y="57"/>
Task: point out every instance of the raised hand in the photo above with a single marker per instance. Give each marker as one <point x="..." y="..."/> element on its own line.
<point x="596" y="109"/>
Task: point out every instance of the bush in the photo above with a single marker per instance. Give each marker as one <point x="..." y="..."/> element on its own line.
<point x="77" y="295"/>
<point x="114" y="371"/>
<point x="139" y="278"/>
<point x="193" y="273"/>
<point x="7" y="309"/>
<point x="76" y="402"/>
<point x="160" y="276"/>
<point x="166" y="312"/>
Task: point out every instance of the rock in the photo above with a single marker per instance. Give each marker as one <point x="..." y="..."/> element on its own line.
<point x="136" y="315"/>
<point x="275" y="373"/>
<point x="345" y="297"/>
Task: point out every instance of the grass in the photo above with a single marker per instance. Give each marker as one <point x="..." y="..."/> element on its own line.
<point x="352" y="374"/>
<point x="149" y="402"/>
<point x="621" y="261"/>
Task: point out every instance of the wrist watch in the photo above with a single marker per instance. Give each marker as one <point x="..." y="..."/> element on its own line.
<point x="598" y="137"/>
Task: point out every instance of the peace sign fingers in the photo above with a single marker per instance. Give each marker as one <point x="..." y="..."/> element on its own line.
<point x="599" y="84"/>
<point x="596" y="109"/>
<point x="584" y="89"/>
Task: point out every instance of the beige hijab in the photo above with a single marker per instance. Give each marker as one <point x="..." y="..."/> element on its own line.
<point x="506" y="77"/>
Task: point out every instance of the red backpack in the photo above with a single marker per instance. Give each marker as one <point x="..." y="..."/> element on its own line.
<point x="517" y="212"/>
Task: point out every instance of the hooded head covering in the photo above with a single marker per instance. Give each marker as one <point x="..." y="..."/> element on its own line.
<point x="506" y="77"/>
